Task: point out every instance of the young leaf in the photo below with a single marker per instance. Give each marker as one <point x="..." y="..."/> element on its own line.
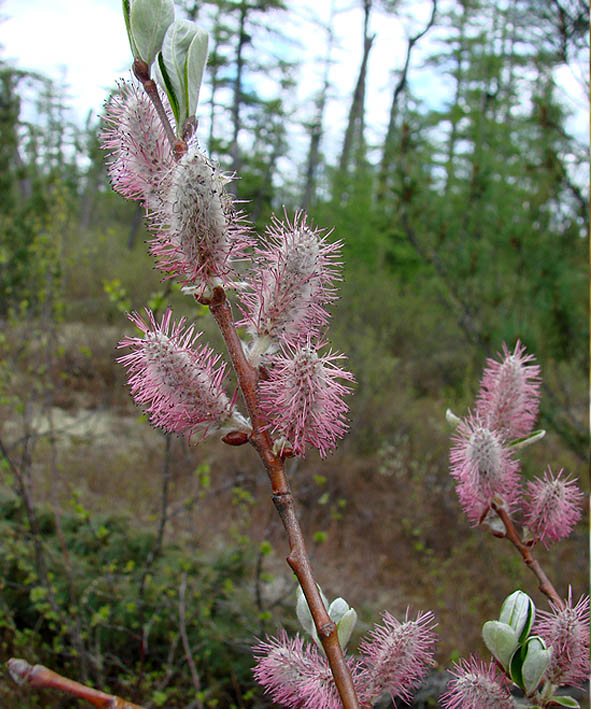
<point x="536" y="657"/>
<point x="528" y="440"/>
<point x="345" y="627"/>
<point x="149" y="20"/>
<point x="126" y="12"/>
<point x="175" y="46"/>
<point x="514" y="666"/>
<point x="337" y="609"/>
<point x="305" y="616"/>
<point x="519" y="612"/>
<point x="195" y="65"/>
<point x="165" y="83"/>
<point x="500" y="639"/>
<point x="563" y="701"/>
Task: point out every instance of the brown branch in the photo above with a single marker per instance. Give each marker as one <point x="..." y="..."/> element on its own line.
<point x="41" y="677"/>
<point x="298" y="558"/>
<point x="525" y="550"/>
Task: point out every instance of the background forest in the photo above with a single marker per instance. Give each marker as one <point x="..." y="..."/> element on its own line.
<point x="134" y="562"/>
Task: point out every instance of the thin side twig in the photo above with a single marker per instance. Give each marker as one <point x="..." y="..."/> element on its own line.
<point x="185" y="639"/>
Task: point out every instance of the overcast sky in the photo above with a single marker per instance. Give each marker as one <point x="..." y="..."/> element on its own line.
<point x="83" y="43"/>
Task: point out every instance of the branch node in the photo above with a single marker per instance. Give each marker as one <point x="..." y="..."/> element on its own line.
<point x="327" y="629"/>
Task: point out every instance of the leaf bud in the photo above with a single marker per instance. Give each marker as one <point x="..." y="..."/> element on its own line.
<point x="519" y="612"/>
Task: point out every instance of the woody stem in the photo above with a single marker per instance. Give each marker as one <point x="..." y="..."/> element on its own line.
<point x="545" y="585"/>
<point x="297" y="558"/>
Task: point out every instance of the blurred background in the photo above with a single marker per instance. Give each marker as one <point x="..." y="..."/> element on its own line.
<point x="447" y="144"/>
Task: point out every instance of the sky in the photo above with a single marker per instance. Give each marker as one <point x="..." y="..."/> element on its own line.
<point x="83" y="44"/>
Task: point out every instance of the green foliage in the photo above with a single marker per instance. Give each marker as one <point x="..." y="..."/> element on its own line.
<point x="98" y="583"/>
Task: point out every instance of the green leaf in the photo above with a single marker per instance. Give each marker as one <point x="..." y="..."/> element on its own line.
<point x="305" y="616"/>
<point x="536" y="659"/>
<point x="126" y="12"/>
<point x="175" y="47"/>
<point x="528" y="440"/>
<point x="337" y="609"/>
<point x="345" y="627"/>
<point x="320" y="537"/>
<point x="194" y="68"/>
<point x="265" y="548"/>
<point x="165" y="82"/>
<point x="149" y="20"/>
<point x="563" y="701"/>
<point x="515" y="668"/>
<point x="500" y="639"/>
<point x="159" y="698"/>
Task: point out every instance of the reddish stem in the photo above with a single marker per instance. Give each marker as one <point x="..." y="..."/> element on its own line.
<point x="298" y="558"/>
<point x="142" y="72"/>
<point x="525" y="550"/>
<point x="41" y="677"/>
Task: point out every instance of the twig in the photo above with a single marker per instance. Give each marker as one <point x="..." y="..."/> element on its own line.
<point x="298" y="558"/>
<point x="183" y="631"/>
<point x="41" y="677"/>
<point x="142" y="72"/>
<point x="512" y="535"/>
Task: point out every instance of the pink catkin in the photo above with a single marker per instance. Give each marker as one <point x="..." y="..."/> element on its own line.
<point x="199" y="234"/>
<point x="303" y="398"/>
<point x="291" y="283"/>
<point x="396" y="656"/>
<point x="509" y="396"/>
<point x="476" y="685"/>
<point x="295" y="675"/>
<point x="483" y="468"/>
<point x="567" y="631"/>
<point x="553" y="507"/>
<point x="177" y="382"/>
<point x="139" y="155"/>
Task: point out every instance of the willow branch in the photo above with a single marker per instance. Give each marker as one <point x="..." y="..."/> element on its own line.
<point x="545" y="585"/>
<point x="41" y="677"/>
<point x="297" y="558"/>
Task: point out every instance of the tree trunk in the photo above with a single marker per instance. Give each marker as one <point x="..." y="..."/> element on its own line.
<point x="237" y="100"/>
<point x="389" y="142"/>
<point x="316" y="129"/>
<point x="355" y="125"/>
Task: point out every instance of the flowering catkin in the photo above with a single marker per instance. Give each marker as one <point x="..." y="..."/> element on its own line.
<point x="303" y="399"/>
<point x="291" y="283"/>
<point x="294" y="674"/>
<point x="483" y="468"/>
<point x="566" y="629"/>
<point x="476" y="685"/>
<point x="139" y="155"/>
<point x="397" y="655"/>
<point x="176" y="382"/>
<point x="199" y="233"/>
<point x="393" y="658"/>
<point x="553" y="507"/>
<point x="509" y="396"/>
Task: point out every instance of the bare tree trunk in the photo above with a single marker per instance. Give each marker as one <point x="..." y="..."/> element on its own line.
<point x="237" y="100"/>
<point x="387" y="154"/>
<point x="316" y="129"/>
<point x="453" y="136"/>
<point x="356" y="122"/>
